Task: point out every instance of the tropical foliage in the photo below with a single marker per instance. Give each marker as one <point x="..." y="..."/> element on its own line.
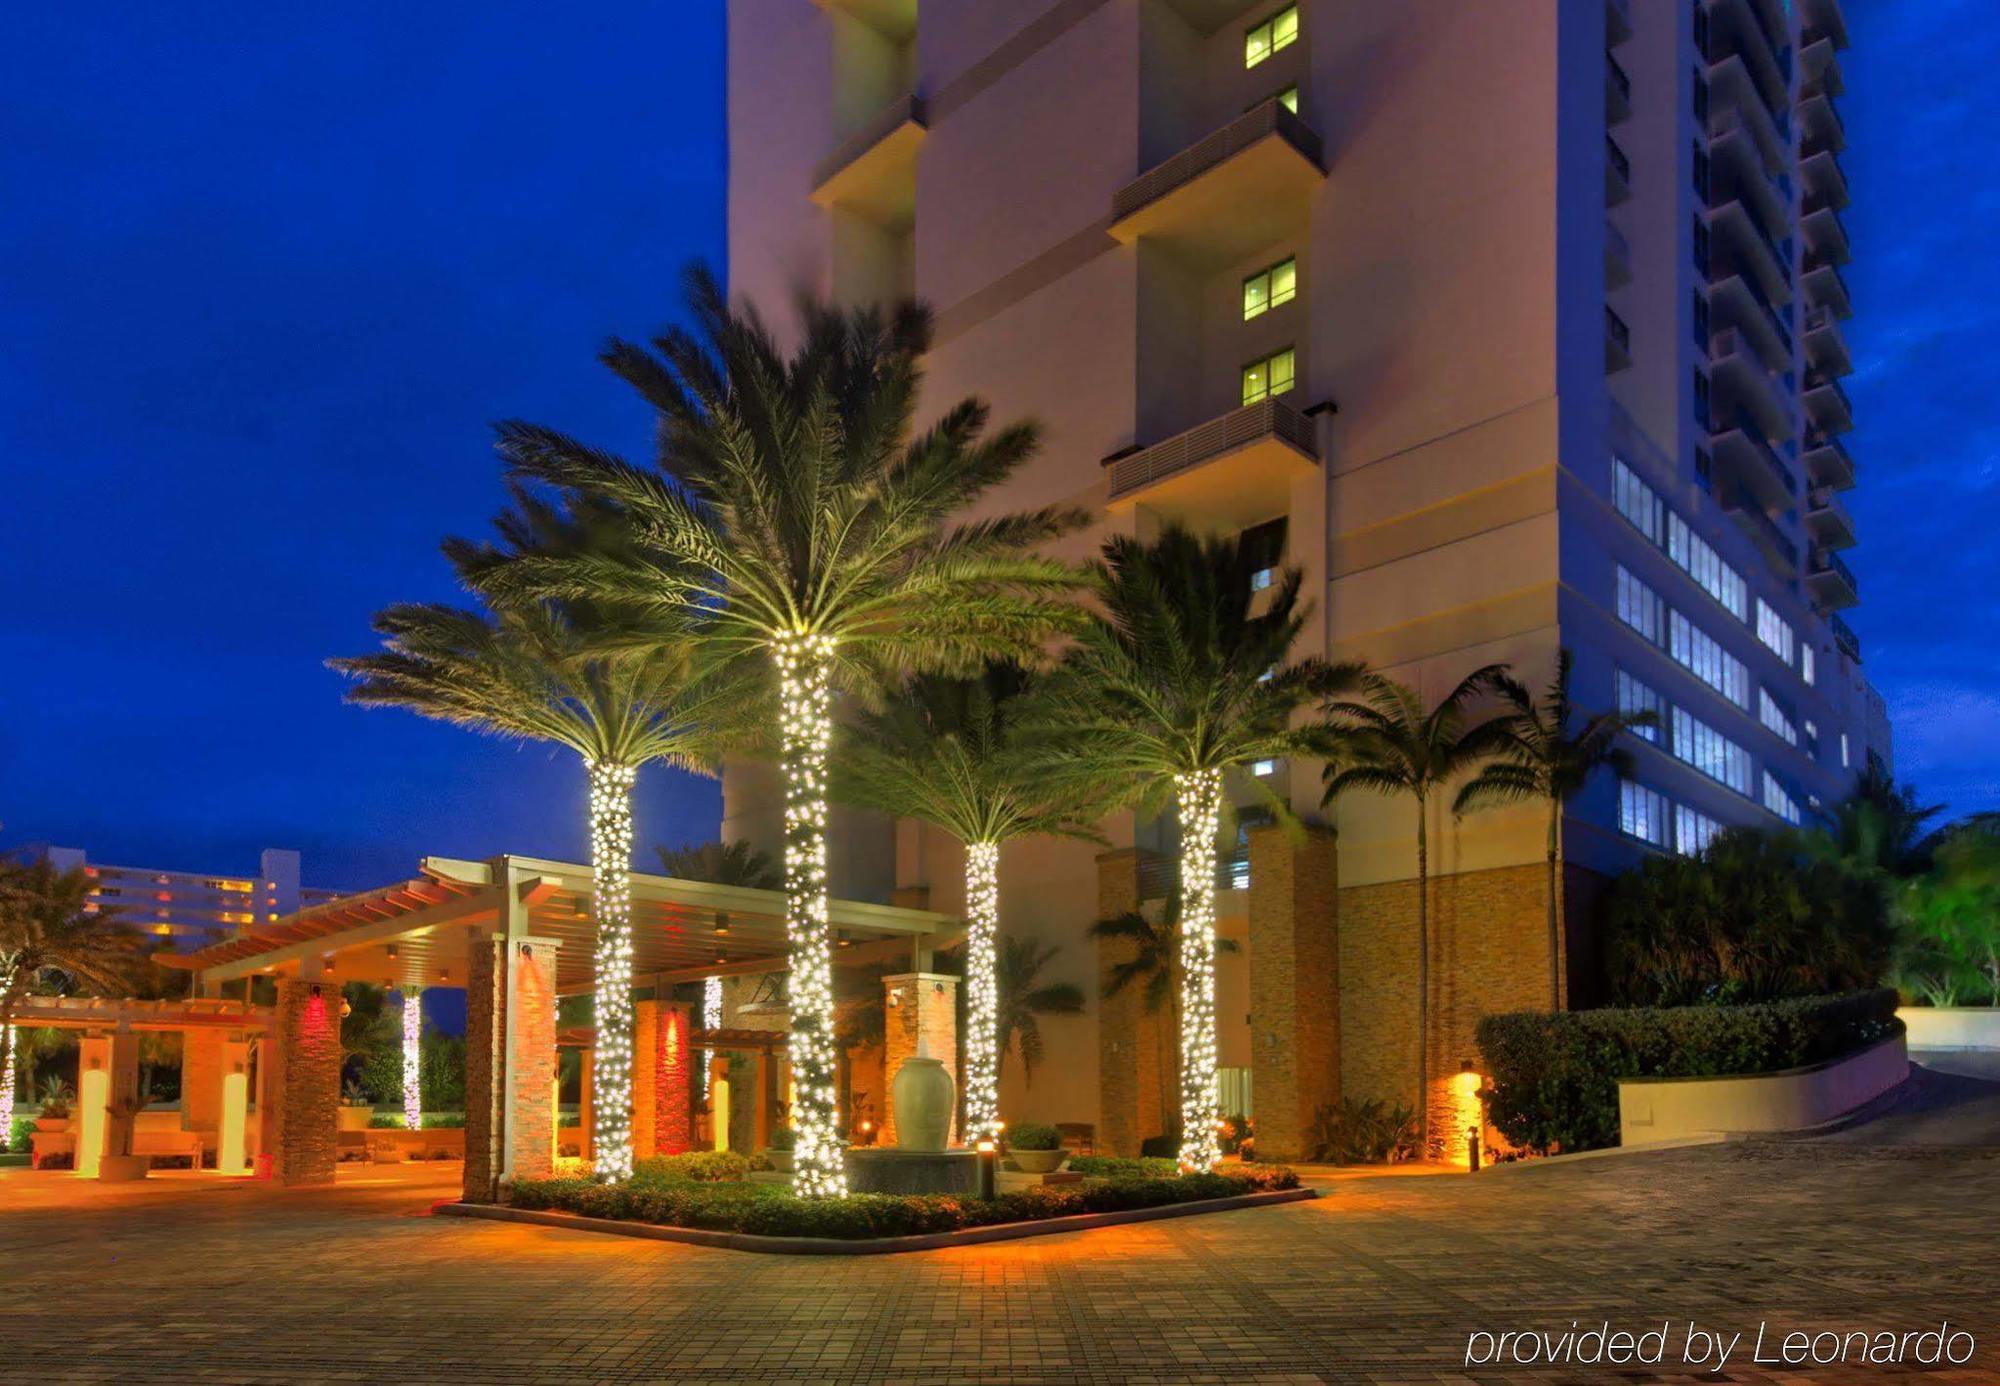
<point x="54" y="937"/>
<point x="1151" y="961"/>
<point x="722" y="863"/>
<point x="1024" y="997"/>
<point x="1948" y="935"/>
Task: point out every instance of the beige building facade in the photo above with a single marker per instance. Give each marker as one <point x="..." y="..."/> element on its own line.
<point x="1515" y="325"/>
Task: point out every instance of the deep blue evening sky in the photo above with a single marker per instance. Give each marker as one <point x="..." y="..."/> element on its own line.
<point x="267" y="272"/>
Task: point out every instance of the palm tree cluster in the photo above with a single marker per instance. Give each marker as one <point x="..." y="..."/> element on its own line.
<point x="796" y="545"/>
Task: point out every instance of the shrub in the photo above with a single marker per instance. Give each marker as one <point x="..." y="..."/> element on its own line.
<point x="386" y="1121"/>
<point x="444" y="1121"/>
<point x="774" y="1211"/>
<point x="1239" y="1135"/>
<point x="18" y="1142"/>
<point x="691" y="1167"/>
<point x="1165" y="1146"/>
<point x="1753" y="918"/>
<point x="1555" y="1078"/>
<point x="1121" y="1167"/>
<point x="1033" y="1135"/>
<point x="1362" y="1133"/>
<point x="783" y="1138"/>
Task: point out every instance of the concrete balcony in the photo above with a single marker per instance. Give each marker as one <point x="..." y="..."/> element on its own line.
<point x="1617" y="22"/>
<point x="1826" y="344"/>
<point x="1830" y="581"/>
<point x="1825" y="16"/>
<point x="1736" y="164"/>
<point x="1733" y="94"/>
<point x="1744" y="455"/>
<point x="1827" y="406"/>
<point x="1617" y="173"/>
<point x="1617" y="92"/>
<point x="1827" y="520"/>
<point x="1746" y="389"/>
<point x="873" y="172"/>
<point x="1617" y="343"/>
<point x="1232" y="471"/>
<point x="1844" y="636"/>
<point x="1825" y="288"/>
<point x="1820" y="125"/>
<point x="1819" y="65"/>
<point x="1828" y="462"/>
<point x="1245" y="186"/>
<point x="1760" y="31"/>
<point x="1735" y="231"/>
<point x="1824" y="233"/>
<point x="1777" y="548"/>
<point x="894" y="19"/>
<point x="1823" y="179"/>
<point x="1736" y="301"/>
<point x="1617" y="258"/>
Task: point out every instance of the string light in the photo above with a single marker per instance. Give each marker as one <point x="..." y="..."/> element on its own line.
<point x="711" y="1019"/>
<point x="6" y="1083"/>
<point x="804" y="662"/>
<point x="611" y="903"/>
<point x="413" y="1059"/>
<point x="982" y="997"/>
<point x="1199" y="797"/>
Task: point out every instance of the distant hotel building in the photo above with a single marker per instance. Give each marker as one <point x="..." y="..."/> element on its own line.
<point x="1514" y="325"/>
<point x="194" y="906"/>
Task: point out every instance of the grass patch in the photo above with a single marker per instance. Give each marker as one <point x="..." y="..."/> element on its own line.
<point x="772" y="1210"/>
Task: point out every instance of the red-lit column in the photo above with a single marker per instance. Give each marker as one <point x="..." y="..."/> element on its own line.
<point x="673" y="1076"/>
<point x="304" y="1085"/>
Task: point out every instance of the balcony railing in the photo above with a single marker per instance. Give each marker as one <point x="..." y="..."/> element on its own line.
<point x="1828" y="569"/>
<point x="1844" y="636"/>
<point x="1270" y="118"/>
<point x="1783" y="553"/>
<point x="1776" y="477"/>
<point x="1828" y="461"/>
<point x="1269" y="418"/>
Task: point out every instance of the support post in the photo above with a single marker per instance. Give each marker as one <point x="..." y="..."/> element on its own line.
<point x="510" y="1069"/>
<point x="301" y="1123"/>
<point x="921" y="1005"/>
<point x="233" y="1108"/>
<point x="1294" y="985"/>
<point x="1131" y="1084"/>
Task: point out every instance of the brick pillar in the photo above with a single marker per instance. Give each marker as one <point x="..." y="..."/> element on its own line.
<point x="1128" y="1039"/>
<point x="673" y="1072"/>
<point x="510" y="1092"/>
<point x="919" y="1004"/>
<point x="202" y="1068"/>
<point x="1294" y="986"/>
<point x="645" y="1077"/>
<point x="304" y="1092"/>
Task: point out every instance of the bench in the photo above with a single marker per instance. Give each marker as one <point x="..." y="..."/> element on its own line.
<point x="188" y="1143"/>
<point x="1078" y="1137"/>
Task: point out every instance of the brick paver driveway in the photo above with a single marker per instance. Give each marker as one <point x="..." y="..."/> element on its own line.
<point x="1380" y="1281"/>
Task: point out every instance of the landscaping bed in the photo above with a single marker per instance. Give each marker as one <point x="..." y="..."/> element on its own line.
<point x="765" y="1210"/>
<point x="1554" y="1083"/>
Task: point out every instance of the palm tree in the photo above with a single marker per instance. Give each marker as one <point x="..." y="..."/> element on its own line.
<point x="53" y="934"/>
<point x="1155" y="946"/>
<point x="1168" y="695"/>
<point x="1386" y="742"/>
<point x="795" y="509"/>
<point x="950" y="752"/>
<point x="722" y="863"/>
<point x="532" y="670"/>
<point x="1023" y="997"/>
<point x="1548" y="763"/>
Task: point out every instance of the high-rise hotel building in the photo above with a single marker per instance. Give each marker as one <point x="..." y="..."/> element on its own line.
<point x="1516" y="325"/>
<point x="193" y="908"/>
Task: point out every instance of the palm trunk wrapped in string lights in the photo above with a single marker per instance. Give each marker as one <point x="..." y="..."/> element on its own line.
<point x="711" y="1019"/>
<point x="413" y="1059"/>
<point x="1198" y="794"/>
<point x="982" y="996"/>
<point x="819" y="1168"/>
<point x="6" y="1085"/>
<point x="611" y="904"/>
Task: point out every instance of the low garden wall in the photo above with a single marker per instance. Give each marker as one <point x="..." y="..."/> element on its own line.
<point x="1555" y="1078"/>
<point x="1652" y="1110"/>
<point x="1952" y="1027"/>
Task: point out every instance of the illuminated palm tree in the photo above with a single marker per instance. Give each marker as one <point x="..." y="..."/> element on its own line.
<point x="1386" y="742"/>
<point x="797" y="511"/>
<point x="533" y="670"/>
<point x="1546" y="761"/>
<point x="950" y="752"/>
<point x="1178" y="686"/>
<point x="1153" y="966"/>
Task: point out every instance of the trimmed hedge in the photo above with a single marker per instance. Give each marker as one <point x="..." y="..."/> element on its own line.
<point x="1554" y="1083"/>
<point x="693" y="1166"/>
<point x="772" y="1210"/>
<point x="1123" y="1166"/>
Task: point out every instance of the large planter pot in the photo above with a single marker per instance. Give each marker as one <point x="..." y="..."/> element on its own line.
<point x="780" y="1160"/>
<point x="123" y="1169"/>
<point x="354" y="1118"/>
<point x="923" y="1096"/>
<point x="1036" y="1161"/>
<point x="52" y="1123"/>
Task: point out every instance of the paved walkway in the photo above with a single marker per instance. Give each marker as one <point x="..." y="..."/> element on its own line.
<point x="1382" y="1280"/>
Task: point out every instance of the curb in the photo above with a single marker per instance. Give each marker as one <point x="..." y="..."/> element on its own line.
<point x="871" y="1246"/>
<point x="1610" y="1152"/>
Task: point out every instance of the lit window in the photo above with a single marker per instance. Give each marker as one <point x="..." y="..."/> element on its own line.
<point x="1709" y="751"/>
<point x="1693" y="831"/>
<point x="1281" y="30"/>
<point x="1635" y="697"/>
<point x="1262" y="579"/>
<point x="1270" y="288"/>
<point x="1639" y="606"/>
<point x="1843" y="751"/>
<point x="1806" y="664"/>
<point x="1264" y="767"/>
<point x="1779" y="800"/>
<point x="1270" y="376"/>
<point x="1774" y="631"/>
<point x="1642" y="813"/>
<point x="1635" y="500"/>
<point x="1706" y="567"/>
<point x="1289" y="99"/>
<point x="1772" y="714"/>
<point x="1697" y="652"/>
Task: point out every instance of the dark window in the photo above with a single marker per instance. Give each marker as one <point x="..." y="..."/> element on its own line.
<point x="1701" y="320"/>
<point x="1701" y="173"/>
<point x="1700" y="97"/>
<point x="1263" y="546"/>
<point x="1704" y="469"/>
<point x="1701" y="27"/>
<point x="1701" y="245"/>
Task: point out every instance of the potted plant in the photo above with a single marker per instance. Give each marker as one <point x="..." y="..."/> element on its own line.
<point x="119" y="1165"/>
<point x="356" y="1110"/>
<point x="55" y="1106"/>
<point x="1034" y="1147"/>
<point x="779" y="1152"/>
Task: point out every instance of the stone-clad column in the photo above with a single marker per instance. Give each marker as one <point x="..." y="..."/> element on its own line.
<point x="1128" y="1050"/>
<point x="1294" y="985"/>
<point x="673" y="1072"/>
<point x="920" y="1004"/>
<point x="201" y="1082"/>
<point x="304" y="1091"/>
<point x="645" y="1077"/>
<point x="510" y="1109"/>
